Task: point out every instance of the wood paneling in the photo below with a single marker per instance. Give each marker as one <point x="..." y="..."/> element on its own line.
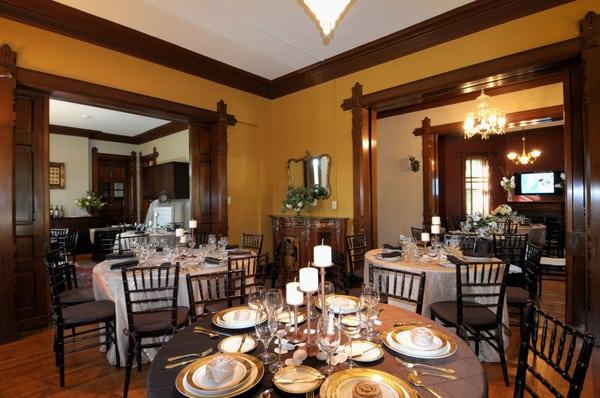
<point x="31" y="193"/>
<point x="159" y="132"/>
<point x="91" y="134"/>
<point x="200" y="172"/>
<point x="8" y="326"/>
<point x="590" y="32"/>
<point x="172" y="178"/>
<point x="218" y="177"/>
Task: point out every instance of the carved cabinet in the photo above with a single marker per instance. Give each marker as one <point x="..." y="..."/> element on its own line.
<point x="300" y="234"/>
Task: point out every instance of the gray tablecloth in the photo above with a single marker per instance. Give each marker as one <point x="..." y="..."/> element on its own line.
<point x="471" y="381"/>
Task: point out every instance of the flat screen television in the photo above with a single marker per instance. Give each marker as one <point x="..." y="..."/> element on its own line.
<point x="538" y="183"/>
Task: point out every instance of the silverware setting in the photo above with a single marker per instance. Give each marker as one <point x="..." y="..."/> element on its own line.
<point x="411" y="366"/>
<point x="365" y="351"/>
<point x="300" y="380"/>
<point x="201" y="354"/>
<point x="416" y="380"/>
<point x="242" y="343"/>
<point x="442" y="375"/>
<point x="415" y="323"/>
<point x="214" y="333"/>
<point x="176" y="364"/>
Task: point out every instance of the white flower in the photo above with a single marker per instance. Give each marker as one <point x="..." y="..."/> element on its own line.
<point x="563" y="176"/>
<point x="476" y="217"/>
<point x="288" y="206"/>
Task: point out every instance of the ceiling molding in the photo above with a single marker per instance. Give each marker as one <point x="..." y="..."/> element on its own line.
<point x="160" y="131"/>
<point x="554" y="112"/>
<point x="91" y="134"/>
<point x="464" y="20"/>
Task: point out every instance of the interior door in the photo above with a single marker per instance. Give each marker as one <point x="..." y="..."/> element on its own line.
<point x="113" y="174"/>
<point x="31" y="208"/>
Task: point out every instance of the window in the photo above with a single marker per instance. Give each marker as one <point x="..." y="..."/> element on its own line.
<point x="477" y="185"/>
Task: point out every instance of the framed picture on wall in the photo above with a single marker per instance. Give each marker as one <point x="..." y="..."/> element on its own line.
<point x="56" y="175"/>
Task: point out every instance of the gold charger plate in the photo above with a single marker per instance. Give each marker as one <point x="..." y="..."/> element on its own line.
<point x="218" y="320"/>
<point x="354" y="300"/>
<point x="332" y="383"/>
<point x="253" y="381"/>
<point x="296" y="373"/>
<point x="446" y="340"/>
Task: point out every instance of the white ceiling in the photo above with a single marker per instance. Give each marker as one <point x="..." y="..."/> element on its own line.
<point x="70" y="114"/>
<point x="266" y="37"/>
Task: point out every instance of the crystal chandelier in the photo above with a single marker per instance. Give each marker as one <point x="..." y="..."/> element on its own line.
<point x="487" y="122"/>
<point x="327" y="13"/>
<point x="525" y="157"/>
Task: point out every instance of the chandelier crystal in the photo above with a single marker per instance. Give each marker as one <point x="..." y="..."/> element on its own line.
<point x="327" y="13"/>
<point x="525" y="157"/>
<point x="488" y="121"/>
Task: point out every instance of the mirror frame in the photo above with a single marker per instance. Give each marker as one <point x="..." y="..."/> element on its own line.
<point x="304" y="159"/>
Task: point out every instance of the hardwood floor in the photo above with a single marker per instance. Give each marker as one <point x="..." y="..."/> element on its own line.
<point x="27" y="366"/>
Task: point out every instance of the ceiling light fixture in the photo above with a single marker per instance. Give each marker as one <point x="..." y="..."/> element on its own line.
<point x="488" y="121"/>
<point x="525" y="157"/>
<point x="327" y="13"/>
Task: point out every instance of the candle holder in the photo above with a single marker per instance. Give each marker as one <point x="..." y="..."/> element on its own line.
<point x="310" y="349"/>
<point x="322" y="277"/>
<point x="296" y="337"/>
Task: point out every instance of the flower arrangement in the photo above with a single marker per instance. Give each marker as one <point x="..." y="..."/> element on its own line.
<point x="91" y="203"/>
<point x="502" y="211"/>
<point x="561" y="184"/>
<point x="297" y="198"/>
<point x="480" y="223"/>
<point x="508" y="183"/>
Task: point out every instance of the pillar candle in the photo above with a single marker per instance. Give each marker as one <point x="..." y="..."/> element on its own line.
<point x="193" y="224"/>
<point x="183" y="239"/>
<point x="293" y="295"/>
<point x="309" y="279"/>
<point x="435" y="229"/>
<point x="179" y="232"/>
<point x="322" y="256"/>
<point x="424" y="236"/>
<point x="436" y="220"/>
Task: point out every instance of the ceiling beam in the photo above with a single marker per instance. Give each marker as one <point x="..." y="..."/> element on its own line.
<point x="90" y="134"/>
<point x="160" y="131"/>
<point x="461" y="21"/>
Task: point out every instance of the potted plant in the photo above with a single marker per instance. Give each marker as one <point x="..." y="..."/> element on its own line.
<point x="297" y="198"/>
<point x="91" y="203"/>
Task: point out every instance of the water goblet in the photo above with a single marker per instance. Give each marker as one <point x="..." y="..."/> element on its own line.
<point x="274" y="300"/>
<point x="328" y="339"/>
<point x="264" y="333"/>
<point x="351" y="325"/>
<point x="281" y="328"/>
<point x="370" y="297"/>
<point x="256" y="298"/>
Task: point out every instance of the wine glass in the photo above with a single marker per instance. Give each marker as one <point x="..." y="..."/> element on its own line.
<point x="274" y="300"/>
<point x="281" y="329"/>
<point x="370" y="297"/>
<point x="351" y="325"/>
<point x="263" y="326"/>
<point x="328" y="339"/>
<point x="256" y="298"/>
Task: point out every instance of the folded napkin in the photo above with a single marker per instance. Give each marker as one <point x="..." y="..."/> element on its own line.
<point x="390" y="254"/>
<point x="231" y="246"/>
<point x="366" y="389"/>
<point x="391" y="247"/>
<point x="212" y="260"/>
<point x="220" y="369"/>
<point x="117" y="256"/>
<point x="124" y="264"/>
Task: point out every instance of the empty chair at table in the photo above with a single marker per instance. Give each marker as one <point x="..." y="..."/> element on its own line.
<point x="530" y="286"/>
<point x="215" y="291"/>
<point x="128" y="242"/>
<point x="356" y="248"/>
<point x="57" y="264"/>
<point x="477" y="312"/>
<point x="510" y="248"/>
<point x="55" y="233"/>
<point x="152" y="310"/>
<point x="67" y="243"/>
<point x="254" y="266"/>
<point x="416" y="232"/>
<point x="85" y="320"/>
<point x="253" y="242"/>
<point x="565" y="351"/>
<point x="405" y="286"/>
<point x="105" y="241"/>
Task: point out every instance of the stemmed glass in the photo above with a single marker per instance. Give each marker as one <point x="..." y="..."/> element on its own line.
<point x="274" y="301"/>
<point x="281" y="328"/>
<point x="256" y="298"/>
<point x="370" y="297"/>
<point x="351" y="324"/>
<point x="328" y="339"/>
<point x="264" y="333"/>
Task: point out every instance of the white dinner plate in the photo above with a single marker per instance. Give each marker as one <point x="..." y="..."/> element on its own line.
<point x="232" y="344"/>
<point x="443" y="352"/>
<point x="405" y="340"/>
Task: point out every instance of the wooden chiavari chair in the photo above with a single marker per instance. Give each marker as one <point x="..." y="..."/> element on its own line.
<point x="252" y="242"/>
<point x="401" y="285"/>
<point x="211" y="290"/>
<point x="530" y="288"/>
<point x="254" y="267"/>
<point x="356" y="248"/>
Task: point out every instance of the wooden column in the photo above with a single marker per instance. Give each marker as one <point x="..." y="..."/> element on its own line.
<point x="590" y="33"/>
<point x="133" y="202"/>
<point x="218" y="157"/>
<point x="200" y="175"/>
<point x="8" y="325"/>
<point x="430" y="171"/>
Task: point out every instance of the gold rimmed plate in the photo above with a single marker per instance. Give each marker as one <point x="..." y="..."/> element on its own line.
<point x="256" y="373"/>
<point x="232" y="344"/>
<point x="297" y="379"/>
<point x="285" y="318"/>
<point x="340" y="384"/>
<point x="241" y="375"/>
<point x="389" y="338"/>
<point x="341" y="303"/>
<point x="219" y="320"/>
<point x="365" y="351"/>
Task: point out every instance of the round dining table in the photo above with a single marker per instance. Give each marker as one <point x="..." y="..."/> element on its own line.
<point x="471" y="381"/>
<point x="440" y="285"/>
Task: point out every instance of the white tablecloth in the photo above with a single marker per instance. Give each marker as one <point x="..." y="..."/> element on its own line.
<point x="440" y="285"/>
<point x="536" y="233"/>
<point x="108" y="285"/>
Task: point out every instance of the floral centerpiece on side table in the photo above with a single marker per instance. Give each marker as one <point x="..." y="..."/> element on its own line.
<point x="297" y="198"/>
<point x="503" y="211"/>
<point x="481" y="224"/>
<point x="91" y="203"/>
<point x="508" y="184"/>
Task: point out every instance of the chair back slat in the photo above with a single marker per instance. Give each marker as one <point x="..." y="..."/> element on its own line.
<point x="216" y="287"/>
<point x="541" y="344"/>
<point x="252" y="241"/>
<point x="127" y="243"/>
<point x="400" y="285"/>
<point x="356" y="248"/>
<point x="510" y="248"/>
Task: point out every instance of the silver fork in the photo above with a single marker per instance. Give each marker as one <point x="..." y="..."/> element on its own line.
<point x="409" y="365"/>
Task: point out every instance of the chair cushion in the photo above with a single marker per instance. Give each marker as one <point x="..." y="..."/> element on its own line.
<point x="86" y="313"/>
<point x="478" y="317"/>
<point x="77" y="296"/>
<point x="515" y="269"/>
<point x="516" y="295"/>
<point x="554" y="262"/>
<point x="158" y="321"/>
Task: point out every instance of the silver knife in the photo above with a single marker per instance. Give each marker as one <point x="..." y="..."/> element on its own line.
<point x="176" y="364"/>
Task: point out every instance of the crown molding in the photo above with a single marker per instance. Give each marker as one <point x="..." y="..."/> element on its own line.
<point x="464" y="20"/>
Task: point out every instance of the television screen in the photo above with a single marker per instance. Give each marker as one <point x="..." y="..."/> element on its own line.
<point x="537" y="183"/>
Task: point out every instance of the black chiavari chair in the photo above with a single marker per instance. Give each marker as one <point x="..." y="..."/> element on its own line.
<point x="338" y="274"/>
<point x="530" y="282"/>
<point x="252" y="242"/>
<point x="152" y="310"/>
<point x="57" y="264"/>
<point x="67" y="243"/>
<point x="56" y="233"/>
<point x="215" y="290"/>
<point x="254" y="267"/>
<point x="564" y="350"/>
<point x="400" y="285"/>
<point x="356" y="248"/>
<point x="510" y="248"/>
<point x="127" y="243"/>
<point x="87" y="315"/>
<point x="477" y="312"/>
<point x="416" y="233"/>
<point x="106" y="241"/>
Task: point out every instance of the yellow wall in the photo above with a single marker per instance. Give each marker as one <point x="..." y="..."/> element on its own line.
<point x="270" y="132"/>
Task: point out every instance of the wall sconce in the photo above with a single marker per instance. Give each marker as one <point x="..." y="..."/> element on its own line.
<point x="415" y="165"/>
